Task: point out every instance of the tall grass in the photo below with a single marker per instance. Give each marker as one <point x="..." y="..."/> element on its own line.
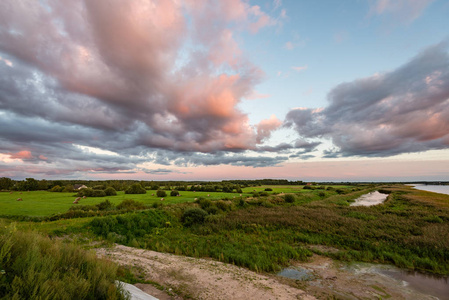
<point x="34" y="267"/>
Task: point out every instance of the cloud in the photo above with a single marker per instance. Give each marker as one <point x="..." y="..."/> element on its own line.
<point x="300" y="68"/>
<point x="401" y="111"/>
<point x="265" y="127"/>
<point x="405" y="10"/>
<point x="127" y="77"/>
<point x="289" y="46"/>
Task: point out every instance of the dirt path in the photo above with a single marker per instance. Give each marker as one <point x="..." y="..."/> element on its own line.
<point x="201" y="278"/>
<point x="192" y="278"/>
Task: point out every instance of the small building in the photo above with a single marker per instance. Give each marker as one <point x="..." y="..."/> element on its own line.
<point x="79" y="186"/>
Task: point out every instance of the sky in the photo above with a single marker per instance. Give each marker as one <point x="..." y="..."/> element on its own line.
<point x="350" y="90"/>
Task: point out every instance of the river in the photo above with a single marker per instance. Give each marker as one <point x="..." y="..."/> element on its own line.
<point x="441" y="189"/>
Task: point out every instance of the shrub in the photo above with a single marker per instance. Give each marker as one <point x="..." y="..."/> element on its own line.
<point x="161" y="193"/>
<point x="268" y="190"/>
<point x="136" y="188"/>
<point x="307" y="187"/>
<point x="212" y="210"/>
<point x="130" y="204"/>
<point x="223" y="205"/>
<point x="340" y="191"/>
<point x="91" y="193"/>
<point x="289" y="198"/>
<point x="174" y="193"/>
<point x="105" y="205"/>
<point x="322" y="194"/>
<point x="193" y="216"/>
<point x="204" y="203"/>
<point x="263" y="194"/>
<point x="57" y="189"/>
<point x="98" y="193"/>
<point x="110" y="191"/>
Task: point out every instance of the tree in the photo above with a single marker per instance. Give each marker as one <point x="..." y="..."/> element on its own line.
<point x="136" y="188"/>
<point x="30" y="184"/>
<point x="174" y="193"/>
<point x="5" y="183"/>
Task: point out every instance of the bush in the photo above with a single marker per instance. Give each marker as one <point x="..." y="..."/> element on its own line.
<point x="193" y="216"/>
<point x="174" y="193"/>
<point x="268" y="190"/>
<point x="161" y="193"/>
<point x="98" y="193"/>
<point x="130" y="204"/>
<point x="110" y="191"/>
<point x="105" y="205"/>
<point x="204" y="203"/>
<point x="136" y="188"/>
<point x="289" y="198"/>
<point x="57" y="189"/>
<point x="91" y="193"/>
<point x="340" y="191"/>
<point x="307" y="187"/>
<point x="322" y="194"/>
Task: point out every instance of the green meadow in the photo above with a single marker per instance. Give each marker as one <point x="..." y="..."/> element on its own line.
<point x="45" y="203"/>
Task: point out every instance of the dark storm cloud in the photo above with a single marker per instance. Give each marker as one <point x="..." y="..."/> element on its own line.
<point x="405" y="110"/>
<point x="115" y="75"/>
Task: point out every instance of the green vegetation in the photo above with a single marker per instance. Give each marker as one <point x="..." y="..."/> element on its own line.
<point x="135" y="189"/>
<point x="262" y="228"/>
<point x="35" y="267"/>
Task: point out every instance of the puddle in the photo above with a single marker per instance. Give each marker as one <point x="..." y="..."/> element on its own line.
<point x="370" y="199"/>
<point x="297" y="273"/>
<point x="436" y="286"/>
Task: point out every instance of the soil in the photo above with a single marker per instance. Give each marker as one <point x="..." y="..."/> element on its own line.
<point x="180" y="277"/>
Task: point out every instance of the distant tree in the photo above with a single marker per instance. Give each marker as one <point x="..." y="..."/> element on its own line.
<point x="110" y="191"/>
<point x="136" y="188"/>
<point x="43" y="185"/>
<point x="5" y="183"/>
<point x="30" y="184"/>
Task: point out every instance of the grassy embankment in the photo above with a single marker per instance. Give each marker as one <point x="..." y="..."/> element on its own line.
<point x="34" y="267"/>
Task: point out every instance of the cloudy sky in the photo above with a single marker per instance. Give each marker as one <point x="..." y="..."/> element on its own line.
<point x="212" y="89"/>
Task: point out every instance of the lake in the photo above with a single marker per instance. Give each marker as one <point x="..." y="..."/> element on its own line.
<point x="441" y="189"/>
<point x="370" y="199"/>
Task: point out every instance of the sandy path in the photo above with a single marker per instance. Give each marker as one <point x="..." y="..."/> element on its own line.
<point x="201" y="278"/>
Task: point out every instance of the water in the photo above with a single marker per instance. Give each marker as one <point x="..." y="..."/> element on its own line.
<point x="441" y="189"/>
<point x="297" y="273"/>
<point x="436" y="286"/>
<point x="370" y="199"/>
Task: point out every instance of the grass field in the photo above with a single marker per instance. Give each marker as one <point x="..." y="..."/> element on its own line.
<point x="44" y="203"/>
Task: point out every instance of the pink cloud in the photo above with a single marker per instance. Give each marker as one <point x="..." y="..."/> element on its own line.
<point x="127" y="67"/>
<point x="301" y="68"/>
<point x="406" y="10"/>
<point x="22" y="155"/>
<point x="265" y="127"/>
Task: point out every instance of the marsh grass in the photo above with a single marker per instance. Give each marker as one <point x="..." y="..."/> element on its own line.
<point x="403" y="231"/>
<point x="35" y="267"/>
